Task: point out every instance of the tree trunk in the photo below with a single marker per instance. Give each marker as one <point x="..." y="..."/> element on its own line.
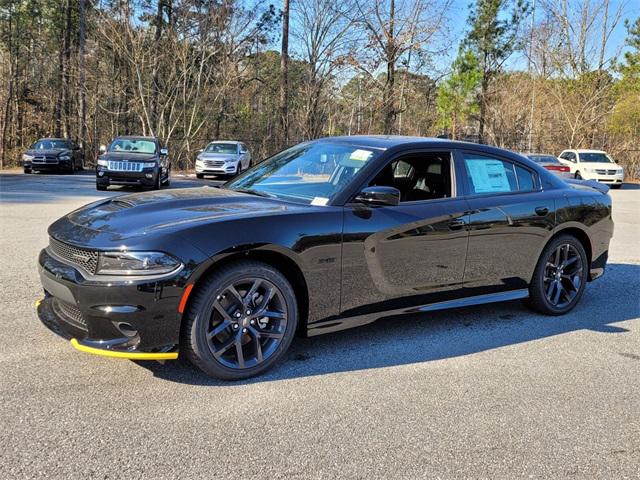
<point x="66" y="75"/>
<point x="484" y="87"/>
<point x="284" y="78"/>
<point x="82" y="99"/>
<point x="155" y="74"/>
<point x="388" y="99"/>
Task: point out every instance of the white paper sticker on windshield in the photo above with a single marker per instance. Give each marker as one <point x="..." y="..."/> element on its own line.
<point x="360" y="155"/>
<point x="319" y="201"/>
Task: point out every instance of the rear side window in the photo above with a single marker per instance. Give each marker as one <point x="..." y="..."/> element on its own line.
<point x="525" y="179"/>
<point x="487" y="174"/>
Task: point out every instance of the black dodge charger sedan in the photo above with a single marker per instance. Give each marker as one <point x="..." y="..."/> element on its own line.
<point x="53" y="155"/>
<point x="135" y="161"/>
<point x="327" y="235"/>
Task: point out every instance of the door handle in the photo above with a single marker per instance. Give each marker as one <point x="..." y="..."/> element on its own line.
<point x="456" y="224"/>
<point x="542" y="211"/>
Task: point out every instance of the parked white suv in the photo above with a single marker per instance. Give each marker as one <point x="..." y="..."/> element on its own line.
<point x="593" y="165"/>
<point x="223" y="157"/>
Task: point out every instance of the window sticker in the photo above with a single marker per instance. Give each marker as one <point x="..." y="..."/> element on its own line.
<point x="488" y="175"/>
<point x="319" y="201"/>
<point x="360" y="155"/>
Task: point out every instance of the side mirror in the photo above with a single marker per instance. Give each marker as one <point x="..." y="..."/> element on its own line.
<point x="164" y="151"/>
<point x="379" y="195"/>
<point x="103" y="149"/>
<point x="201" y="150"/>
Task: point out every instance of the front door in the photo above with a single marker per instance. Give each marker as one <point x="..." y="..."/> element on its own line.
<point x="406" y="255"/>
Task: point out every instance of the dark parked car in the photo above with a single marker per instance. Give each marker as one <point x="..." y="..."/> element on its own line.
<point x="53" y="154"/>
<point x="137" y="161"/>
<point x="327" y="235"/>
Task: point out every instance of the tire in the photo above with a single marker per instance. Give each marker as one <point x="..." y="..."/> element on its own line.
<point x="101" y="188"/>
<point x="27" y="171"/>
<point x="616" y="186"/>
<point x="205" y="315"/>
<point x="199" y="176"/>
<point x="167" y="181"/>
<point x="578" y="176"/>
<point x="156" y="184"/>
<point x="542" y="294"/>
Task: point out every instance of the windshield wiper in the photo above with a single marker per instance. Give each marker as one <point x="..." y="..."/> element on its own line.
<point x="252" y="191"/>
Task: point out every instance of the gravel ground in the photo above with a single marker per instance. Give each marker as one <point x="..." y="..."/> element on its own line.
<point x="493" y="391"/>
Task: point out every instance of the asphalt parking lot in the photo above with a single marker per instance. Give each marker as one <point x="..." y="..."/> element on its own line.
<point x="492" y="391"/>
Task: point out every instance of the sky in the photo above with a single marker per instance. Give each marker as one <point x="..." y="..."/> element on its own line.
<point x="460" y="10"/>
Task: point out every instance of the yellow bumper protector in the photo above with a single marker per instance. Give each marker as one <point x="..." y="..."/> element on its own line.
<point x="129" y="355"/>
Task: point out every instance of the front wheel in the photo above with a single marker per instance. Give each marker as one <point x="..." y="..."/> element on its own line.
<point x="27" y="170"/>
<point x="199" y="176"/>
<point x="100" y="188"/>
<point x="560" y="276"/>
<point x="240" y="321"/>
<point x="616" y="185"/>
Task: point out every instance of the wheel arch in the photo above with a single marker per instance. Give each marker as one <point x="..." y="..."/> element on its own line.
<point x="272" y="255"/>
<point x="576" y="231"/>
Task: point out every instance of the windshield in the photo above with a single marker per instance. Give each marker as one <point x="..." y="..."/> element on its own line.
<point x="596" y="158"/>
<point x="132" y="145"/>
<point x="544" y="159"/>
<point x="222" y="148"/>
<point x="50" y="144"/>
<point x="310" y="172"/>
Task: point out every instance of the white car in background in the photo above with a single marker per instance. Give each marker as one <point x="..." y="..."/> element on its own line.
<point x="223" y="157"/>
<point x="593" y="165"/>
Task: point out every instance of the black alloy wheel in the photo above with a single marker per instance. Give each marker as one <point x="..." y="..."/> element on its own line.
<point x="240" y="322"/>
<point x="560" y="276"/>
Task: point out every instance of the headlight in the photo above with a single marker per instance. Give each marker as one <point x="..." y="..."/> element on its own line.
<point x="64" y="157"/>
<point x="136" y="263"/>
<point x="198" y="160"/>
<point x="103" y="163"/>
<point x="26" y="158"/>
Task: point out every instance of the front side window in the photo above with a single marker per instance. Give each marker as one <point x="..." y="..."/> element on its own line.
<point x="418" y="176"/>
<point x="224" y="148"/>
<point x="491" y="175"/>
<point x="312" y="172"/>
<point x="132" y="146"/>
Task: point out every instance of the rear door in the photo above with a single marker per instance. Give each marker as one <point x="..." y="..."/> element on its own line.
<point x="510" y="218"/>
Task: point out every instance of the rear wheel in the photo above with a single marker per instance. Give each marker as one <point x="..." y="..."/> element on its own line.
<point x="560" y="276"/>
<point x="616" y="185"/>
<point x="240" y="322"/>
<point x="578" y="176"/>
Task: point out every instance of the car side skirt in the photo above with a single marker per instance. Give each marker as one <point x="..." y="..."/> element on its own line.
<point x="337" y="324"/>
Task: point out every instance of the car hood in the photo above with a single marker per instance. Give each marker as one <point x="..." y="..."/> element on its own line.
<point x="139" y="157"/>
<point x="49" y="151"/>
<point x="107" y="223"/>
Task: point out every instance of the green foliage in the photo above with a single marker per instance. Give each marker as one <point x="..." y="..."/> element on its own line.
<point x="626" y="116"/>
<point x="456" y="95"/>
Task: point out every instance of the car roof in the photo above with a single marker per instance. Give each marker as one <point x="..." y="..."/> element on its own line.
<point x="225" y="141"/>
<point x="583" y="150"/>
<point x="52" y="138"/>
<point x="539" y="154"/>
<point x="385" y="142"/>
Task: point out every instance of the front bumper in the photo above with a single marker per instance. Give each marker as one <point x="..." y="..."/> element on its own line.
<point x="48" y="167"/>
<point x="226" y="169"/>
<point x="129" y="319"/>
<point x="145" y="178"/>
<point x="608" y="179"/>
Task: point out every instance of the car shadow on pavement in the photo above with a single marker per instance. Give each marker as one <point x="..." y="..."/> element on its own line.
<point x="440" y="335"/>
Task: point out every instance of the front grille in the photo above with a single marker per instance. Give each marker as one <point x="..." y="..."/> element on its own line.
<point x="214" y="163"/>
<point x="602" y="171"/>
<point x="45" y="159"/>
<point x="611" y="172"/>
<point x="69" y="313"/>
<point x="86" y="259"/>
<point x="125" y="166"/>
